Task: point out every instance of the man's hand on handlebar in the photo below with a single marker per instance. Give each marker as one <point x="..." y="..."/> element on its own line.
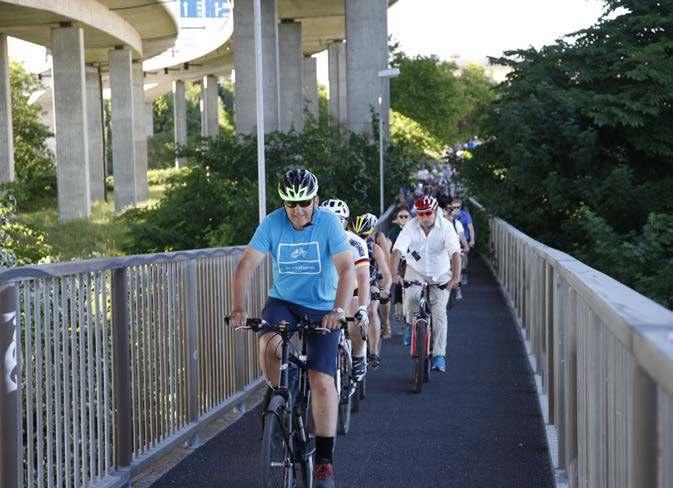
<point x="361" y="317"/>
<point x="334" y="319"/>
<point x="238" y="317"/>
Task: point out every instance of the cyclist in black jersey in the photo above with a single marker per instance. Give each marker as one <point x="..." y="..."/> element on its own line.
<point x="380" y="281"/>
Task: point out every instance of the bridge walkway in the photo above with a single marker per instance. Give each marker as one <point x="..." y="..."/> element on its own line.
<point x="478" y="425"/>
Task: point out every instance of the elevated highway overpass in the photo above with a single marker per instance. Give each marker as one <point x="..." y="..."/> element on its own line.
<point x="108" y="41"/>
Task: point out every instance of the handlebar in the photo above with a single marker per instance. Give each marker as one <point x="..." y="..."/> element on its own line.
<point x="423" y="284"/>
<point x="257" y="324"/>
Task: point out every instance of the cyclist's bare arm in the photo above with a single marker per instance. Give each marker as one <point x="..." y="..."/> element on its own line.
<point x="463" y="242"/>
<point x="343" y="262"/>
<point x="395" y="263"/>
<point x="250" y="260"/>
<point x="456" y="267"/>
<point x="362" y="277"/>
<point x="380" y="257"/>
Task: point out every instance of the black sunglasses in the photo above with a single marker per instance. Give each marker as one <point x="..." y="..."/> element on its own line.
<point x="301" y="203"/>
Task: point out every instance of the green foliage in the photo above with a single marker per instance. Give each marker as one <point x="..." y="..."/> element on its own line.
<point x="214" y="201"/>
<point x="161" y="146"/>
<point x="20" y="244"/>
<point x="579" y="150"/>
<point x="35" y="183"/>
<point x="411" y="132"/>
<point x="448" y="104"/>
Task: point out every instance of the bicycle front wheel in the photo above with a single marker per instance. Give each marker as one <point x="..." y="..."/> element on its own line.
<point x="344" y="388"/>
<point x="420" y="356"/>
<point x="277" y="468"/>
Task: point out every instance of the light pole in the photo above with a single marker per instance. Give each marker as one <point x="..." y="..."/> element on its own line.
<point x="259" y="98"/>
<point x="384" y="77"/>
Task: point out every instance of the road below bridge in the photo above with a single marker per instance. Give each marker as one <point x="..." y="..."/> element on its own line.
<point x="478" y="425"/>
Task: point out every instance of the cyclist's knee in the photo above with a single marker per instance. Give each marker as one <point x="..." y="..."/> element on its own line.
<point x="321" y="383"/>
<point x="269" y="347"/>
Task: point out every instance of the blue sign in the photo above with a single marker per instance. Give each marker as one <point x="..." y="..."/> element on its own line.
<point x="210" y="9"/>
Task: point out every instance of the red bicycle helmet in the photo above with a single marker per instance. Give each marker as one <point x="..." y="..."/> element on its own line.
<point x="425" y="202"/>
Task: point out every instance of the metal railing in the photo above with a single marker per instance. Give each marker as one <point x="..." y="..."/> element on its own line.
<point x="110" y="362"/>
<point x="603" y="358"/>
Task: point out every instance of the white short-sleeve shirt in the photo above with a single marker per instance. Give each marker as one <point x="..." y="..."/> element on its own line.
<point x="429" y="255"/>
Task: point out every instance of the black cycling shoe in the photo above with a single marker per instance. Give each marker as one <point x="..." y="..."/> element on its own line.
<point x="374" y="361"/>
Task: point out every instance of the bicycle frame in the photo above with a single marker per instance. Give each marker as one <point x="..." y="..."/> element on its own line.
<point x="421" y="318"/>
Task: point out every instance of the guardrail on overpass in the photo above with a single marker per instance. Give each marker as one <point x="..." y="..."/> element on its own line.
<point x="110" y="362"/>
<point x="603" y="357"/>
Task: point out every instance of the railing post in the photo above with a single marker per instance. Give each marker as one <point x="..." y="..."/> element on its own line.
<point x="10" y="405"/>
<point x="192" y="374"/>
<point x="122" y="371"/>
<point x="643" y="430"/>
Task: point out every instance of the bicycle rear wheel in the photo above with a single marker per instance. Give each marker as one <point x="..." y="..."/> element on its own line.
<point x="421" y="356"/>
<point x="277" y="469"/>
<point x="345" y="397"/>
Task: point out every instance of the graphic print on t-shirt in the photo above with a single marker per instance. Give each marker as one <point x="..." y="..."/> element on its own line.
<point x="303" y="258"/>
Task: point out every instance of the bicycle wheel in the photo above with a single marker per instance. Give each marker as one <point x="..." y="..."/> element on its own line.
<point x="277" y="469"/>
<point x="421" y="356"/>
<point x="426" y="368"/>
<point x="355" y="399"/>
<point x="345" y="397"/>
<point x="362" y="388"/>
<point x="304" y="427"/>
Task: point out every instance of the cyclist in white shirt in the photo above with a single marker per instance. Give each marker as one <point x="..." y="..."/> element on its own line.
<point x="360" y="301"/>
<point x="430" y="244"/>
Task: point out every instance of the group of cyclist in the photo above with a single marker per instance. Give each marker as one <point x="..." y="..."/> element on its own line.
<point x="324" y="271"/>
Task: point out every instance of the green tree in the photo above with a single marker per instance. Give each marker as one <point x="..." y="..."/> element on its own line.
<point x="448" y="103"/>
<point x="477" y="92"/>
<point x="580" y="143"/>
<point x="214" y="202"/>
<point x="428" y="91"/>
<point x="35" y="184"/>
<point x="161" y="146"/>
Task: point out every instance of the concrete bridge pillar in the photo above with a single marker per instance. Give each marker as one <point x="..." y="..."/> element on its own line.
<point x="149" y="119"/>
<point x="291" y="74"/>
<point x="336" y="61"/>
<point x="70" y="111"/>
<point x="122" y="127"/>
<point x="311" y="98"/>
<point x="179" y="119"/>
<point x="95" y="134"/>
<point x="140" y="132"/>
<point x="6" y="131"/>
<point x="367" y="54"/>
<point x="245" y="113"/>
<point x="210" y="126"/>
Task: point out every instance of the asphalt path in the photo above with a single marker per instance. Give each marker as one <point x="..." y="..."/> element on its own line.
<point x="477" y="425"/>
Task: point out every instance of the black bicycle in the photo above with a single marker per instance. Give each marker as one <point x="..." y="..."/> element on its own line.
<point x="286" y="452"/>
<point x="345" y="381"/>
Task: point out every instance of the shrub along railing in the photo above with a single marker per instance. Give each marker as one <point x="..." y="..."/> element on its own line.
<point x="107" y="363"/>
<point x="603" y="358"/>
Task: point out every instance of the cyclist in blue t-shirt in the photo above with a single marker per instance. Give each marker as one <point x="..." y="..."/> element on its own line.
<point x="313" y="275"/>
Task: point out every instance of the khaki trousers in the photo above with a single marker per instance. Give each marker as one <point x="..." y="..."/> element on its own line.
<point x="438" y="300"/>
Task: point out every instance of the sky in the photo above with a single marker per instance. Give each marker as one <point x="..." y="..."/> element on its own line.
<point x="471" y="30"/>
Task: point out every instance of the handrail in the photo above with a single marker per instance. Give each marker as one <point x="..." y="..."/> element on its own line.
<point x="103" y="264"/>
<point x="603" y="358"/>
<point x="106" y="364"/>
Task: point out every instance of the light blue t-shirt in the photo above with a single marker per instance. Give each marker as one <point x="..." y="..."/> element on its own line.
<point x="303" y="270"/>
